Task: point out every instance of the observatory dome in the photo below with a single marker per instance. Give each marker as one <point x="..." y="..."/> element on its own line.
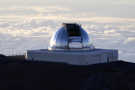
<point x="70" y="36"/>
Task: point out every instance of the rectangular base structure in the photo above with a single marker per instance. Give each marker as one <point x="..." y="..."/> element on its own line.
<point x="74" y="57"/>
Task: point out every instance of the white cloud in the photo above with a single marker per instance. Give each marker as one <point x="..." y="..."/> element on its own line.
<point x="109" y="31"/>
<point x="33" y="31"/>
<point x="130" y="40"/>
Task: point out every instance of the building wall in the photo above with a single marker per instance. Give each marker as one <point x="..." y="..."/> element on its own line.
<point x="74" y="57"/>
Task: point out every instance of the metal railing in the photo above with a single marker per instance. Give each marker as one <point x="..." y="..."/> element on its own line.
<point x="12" y="52"/>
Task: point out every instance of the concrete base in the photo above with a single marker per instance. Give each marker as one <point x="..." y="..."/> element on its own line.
<point x="74" y="57"/>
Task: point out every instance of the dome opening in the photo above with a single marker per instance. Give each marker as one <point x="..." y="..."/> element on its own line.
<point x="72" y="29"/>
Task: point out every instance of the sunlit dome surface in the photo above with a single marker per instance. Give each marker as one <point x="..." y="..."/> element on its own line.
<point x="70" y="36"/>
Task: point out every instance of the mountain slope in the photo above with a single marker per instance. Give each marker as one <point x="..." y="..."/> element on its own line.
<point x="18" y="74"/>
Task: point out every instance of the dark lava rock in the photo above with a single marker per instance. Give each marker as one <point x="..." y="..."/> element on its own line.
<point x="30" y="75"/>
<point x="2" y="56"/>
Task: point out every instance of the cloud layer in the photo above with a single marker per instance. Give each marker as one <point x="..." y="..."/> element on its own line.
<point x="31" y="28"/>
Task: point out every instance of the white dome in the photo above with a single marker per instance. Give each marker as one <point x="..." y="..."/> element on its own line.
<point x="70" y="36"/>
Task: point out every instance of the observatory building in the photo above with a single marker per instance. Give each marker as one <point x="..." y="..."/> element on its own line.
<point x="72" y="45"/>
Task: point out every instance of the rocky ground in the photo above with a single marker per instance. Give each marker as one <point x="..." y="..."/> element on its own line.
<point x="18" y="74"/>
